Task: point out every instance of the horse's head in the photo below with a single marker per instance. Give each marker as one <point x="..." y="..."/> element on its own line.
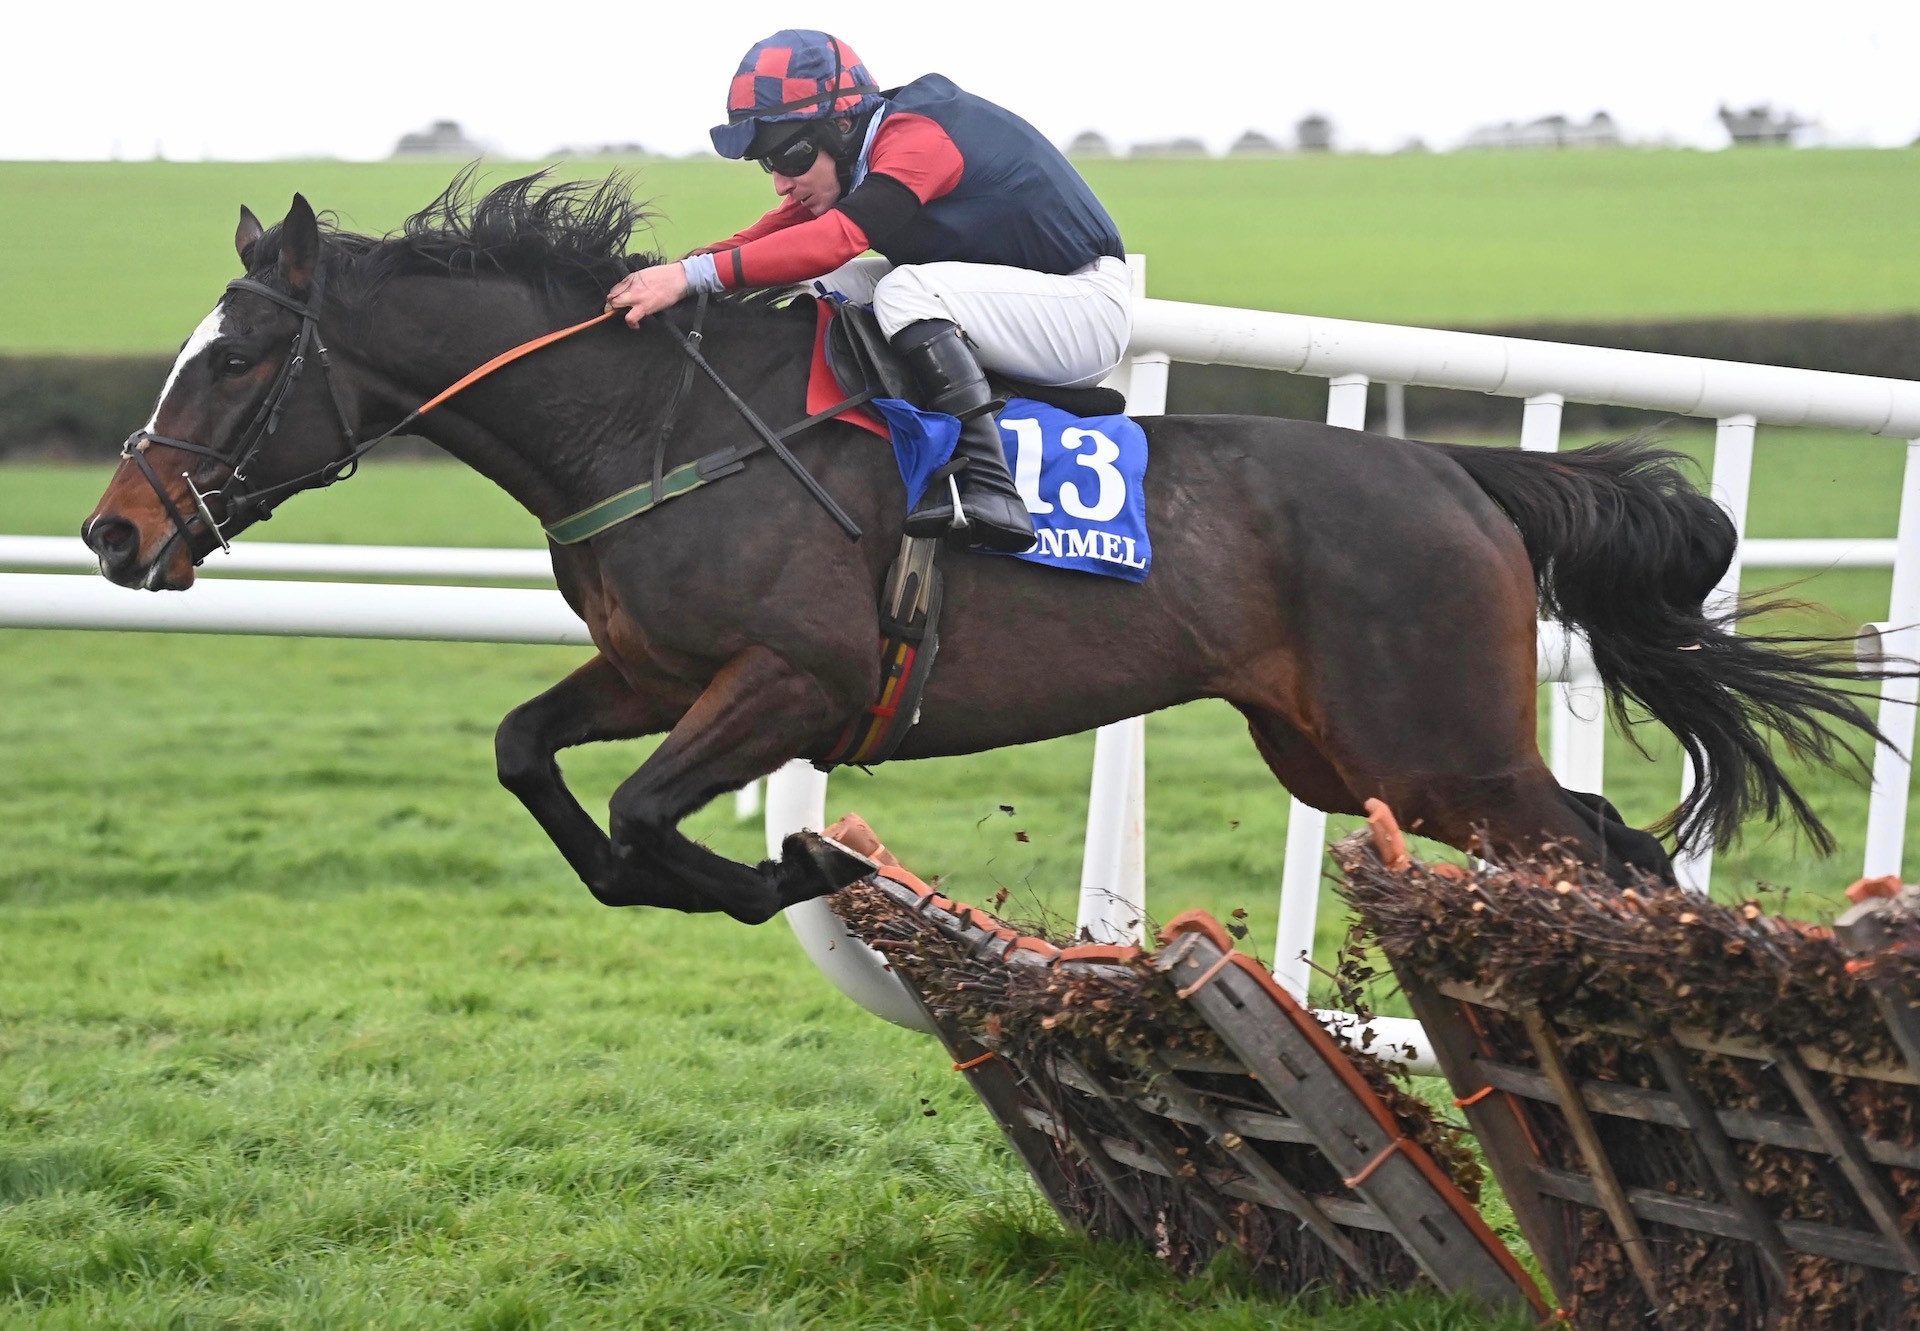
<point x="246" y="418"/>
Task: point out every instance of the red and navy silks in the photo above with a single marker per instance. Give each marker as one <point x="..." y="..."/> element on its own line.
<point x="1017" y="201"/>
<point x="945" y="176"/>
<point x="823" y="389"/>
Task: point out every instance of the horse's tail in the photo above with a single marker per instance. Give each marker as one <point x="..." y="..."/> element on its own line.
<point x="1625" y="548"/>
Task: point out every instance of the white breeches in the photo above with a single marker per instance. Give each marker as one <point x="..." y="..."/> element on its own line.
<point x="1069" y="331"/>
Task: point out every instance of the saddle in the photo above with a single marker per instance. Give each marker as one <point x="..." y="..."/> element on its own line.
<point x="861" y="358"/>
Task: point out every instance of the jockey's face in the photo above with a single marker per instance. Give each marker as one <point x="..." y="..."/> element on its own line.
<point x="816" y="189"/>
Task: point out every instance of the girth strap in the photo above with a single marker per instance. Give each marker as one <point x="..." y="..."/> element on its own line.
<point x="910" y="623"/>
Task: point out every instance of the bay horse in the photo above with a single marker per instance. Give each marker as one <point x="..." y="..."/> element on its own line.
<point x="1368" y="603"/>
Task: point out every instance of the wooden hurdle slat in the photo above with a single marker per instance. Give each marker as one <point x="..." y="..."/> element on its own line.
<point x="1255" y="1165"/>
<point x="1257" y="1125"/>
<point x="1698" y="1217"/>
<point x="1613" y="1198"/>
<point x="1868" y="1186"/>
<point x="1716" y="1153"/>
<point x="1288" y="1065"/>
<point x="1499" y="1121"/>
<point x="1203" y="1191"/>
<point x="1648" y="1106"/>
<point x="1093" y="1147"/>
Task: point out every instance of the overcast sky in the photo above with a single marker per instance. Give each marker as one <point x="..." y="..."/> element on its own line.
<point x="345" y="78"/>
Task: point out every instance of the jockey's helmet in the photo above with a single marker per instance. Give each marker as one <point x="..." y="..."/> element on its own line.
<point x="794" y="77"/>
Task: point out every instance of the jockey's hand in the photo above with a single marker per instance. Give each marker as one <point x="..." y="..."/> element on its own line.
<point x="648" y="291"/>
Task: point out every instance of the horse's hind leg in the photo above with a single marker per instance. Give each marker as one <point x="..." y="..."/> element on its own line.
<point x="1520" y="813"/>
<point x="1509" y="815"/>
<point x="1300" y="767"/>
<point x="1502" y="815"/>
<point x="1626" y="844"/>
<point x="756" y="714"/>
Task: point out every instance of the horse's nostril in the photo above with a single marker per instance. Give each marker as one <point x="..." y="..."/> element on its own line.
<point x="113" y="538"/>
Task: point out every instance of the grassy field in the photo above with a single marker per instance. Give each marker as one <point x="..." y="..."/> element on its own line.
<point x="304" y="1024"/>
<point x="302" y="1021"/>
<point x="126" y="257"/>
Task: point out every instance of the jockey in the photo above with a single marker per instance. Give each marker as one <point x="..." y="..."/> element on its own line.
<point x="994" y="252"/>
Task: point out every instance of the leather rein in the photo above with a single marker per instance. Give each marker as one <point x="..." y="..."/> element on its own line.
<point x="238" y="498"/>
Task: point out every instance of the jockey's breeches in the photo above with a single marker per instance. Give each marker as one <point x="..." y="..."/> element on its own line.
<point x="1069" y="330"/>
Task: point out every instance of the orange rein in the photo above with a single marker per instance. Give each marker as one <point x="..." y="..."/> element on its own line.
<point x="508" y="357"/>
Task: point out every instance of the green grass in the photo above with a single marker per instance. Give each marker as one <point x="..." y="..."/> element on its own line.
<point x="303" y="1023"/>
<point x="126" y="257"/>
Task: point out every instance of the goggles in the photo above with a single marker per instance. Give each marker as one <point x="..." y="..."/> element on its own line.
<point x="791" y="159"/>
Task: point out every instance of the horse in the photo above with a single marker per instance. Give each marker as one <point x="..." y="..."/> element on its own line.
<point x="1369" y="604"/>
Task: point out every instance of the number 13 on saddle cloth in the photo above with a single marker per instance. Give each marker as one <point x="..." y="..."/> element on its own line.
<point x="1080" y="478"/>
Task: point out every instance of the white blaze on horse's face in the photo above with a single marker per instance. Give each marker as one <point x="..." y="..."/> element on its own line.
<point x="209" y="328"/>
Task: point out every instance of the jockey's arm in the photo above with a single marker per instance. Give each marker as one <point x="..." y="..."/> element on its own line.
<point x="912" y="162"/>
<point x="788" y="213"/>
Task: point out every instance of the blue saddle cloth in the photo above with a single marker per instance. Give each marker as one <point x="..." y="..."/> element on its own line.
<point x="1081" y="478"/>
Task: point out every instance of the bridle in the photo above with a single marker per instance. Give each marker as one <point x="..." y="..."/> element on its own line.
<point x="237" y="496"/>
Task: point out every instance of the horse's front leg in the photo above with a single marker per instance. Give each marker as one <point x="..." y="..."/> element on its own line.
<point x="758" y="712"/>
<point x="594" y="703"/>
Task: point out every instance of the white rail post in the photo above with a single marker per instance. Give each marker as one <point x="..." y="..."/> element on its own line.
<point x="1732" y="484"/>
<point x="1113" y="864"/>
<point x="1306" y="825"/>
<point x="746" y="801"/>
<point x="1893" y="767"/>
<point x="1577" y="751"/>
<point x="1113" y="867"/>
<point x="1396" y="410"/>
<point x="1347" y="401"/>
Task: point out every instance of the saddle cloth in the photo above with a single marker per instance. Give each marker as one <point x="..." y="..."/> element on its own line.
<point x="1077" y="460"/>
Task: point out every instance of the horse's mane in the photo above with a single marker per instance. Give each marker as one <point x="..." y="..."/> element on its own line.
<point x="562" y="239"/>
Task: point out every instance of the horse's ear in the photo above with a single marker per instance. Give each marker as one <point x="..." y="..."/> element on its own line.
<point x="245" y="234"/>
<point x="299" y="245"/>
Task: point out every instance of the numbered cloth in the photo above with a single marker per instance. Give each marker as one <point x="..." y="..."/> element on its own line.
<point x="1081" y="478"/>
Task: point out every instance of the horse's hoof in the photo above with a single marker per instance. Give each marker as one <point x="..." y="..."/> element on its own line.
<point x="812" y="866"/>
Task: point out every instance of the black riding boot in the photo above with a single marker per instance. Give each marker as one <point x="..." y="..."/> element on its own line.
<point x="992" y="514"/>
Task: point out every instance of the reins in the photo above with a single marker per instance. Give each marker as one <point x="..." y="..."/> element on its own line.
<point x="238" y="498"/>
<point x="663" y="485"/>
<point x="690" y="344"/>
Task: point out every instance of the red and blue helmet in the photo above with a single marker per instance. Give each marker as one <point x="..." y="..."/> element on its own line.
<point x="796" y="74"/>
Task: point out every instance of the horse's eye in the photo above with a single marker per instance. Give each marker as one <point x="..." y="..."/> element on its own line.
<point x="232" y="365"/>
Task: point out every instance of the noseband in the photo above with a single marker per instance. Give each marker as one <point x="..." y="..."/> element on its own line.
<point x="238" y="498"/>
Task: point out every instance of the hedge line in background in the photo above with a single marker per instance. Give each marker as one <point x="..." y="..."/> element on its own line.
<point x="82" y="407"/>
<point x="75" y="406"/>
